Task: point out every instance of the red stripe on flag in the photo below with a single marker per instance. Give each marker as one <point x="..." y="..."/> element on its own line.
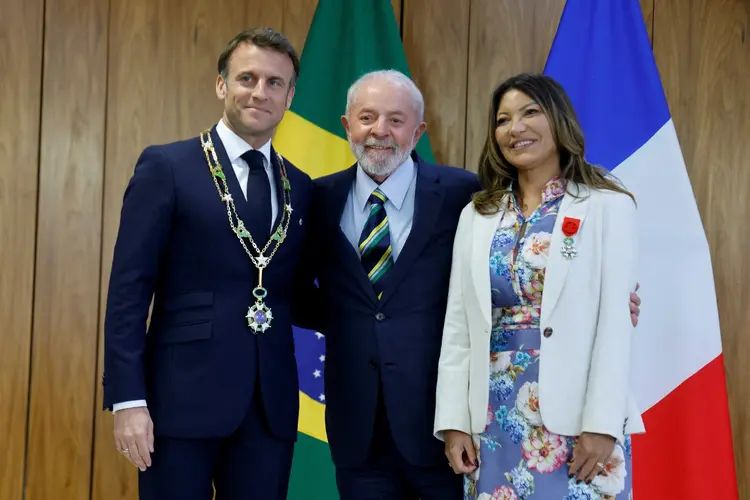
<point x="687" y="451"/>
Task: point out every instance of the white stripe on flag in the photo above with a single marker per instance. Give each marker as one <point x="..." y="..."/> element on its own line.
<point x="679" y="330"/>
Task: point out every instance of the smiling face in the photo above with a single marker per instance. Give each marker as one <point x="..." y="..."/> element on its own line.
<point x="383" y="126"/>
<point x="256" y="92"/>
<point x="523" y="132"/>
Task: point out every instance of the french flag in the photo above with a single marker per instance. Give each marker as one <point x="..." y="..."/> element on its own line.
<point x="602" y="56"/>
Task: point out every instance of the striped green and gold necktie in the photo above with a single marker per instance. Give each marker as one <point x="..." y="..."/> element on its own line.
<point x="375" y="243"/>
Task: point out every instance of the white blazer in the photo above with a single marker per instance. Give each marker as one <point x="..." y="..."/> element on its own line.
<point x="584" y="364"/>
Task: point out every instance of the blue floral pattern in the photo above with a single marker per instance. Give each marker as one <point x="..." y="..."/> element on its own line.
<point x="519" y="458"/>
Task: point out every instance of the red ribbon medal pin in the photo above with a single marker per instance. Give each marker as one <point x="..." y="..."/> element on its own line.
<point x="570" y="227"/>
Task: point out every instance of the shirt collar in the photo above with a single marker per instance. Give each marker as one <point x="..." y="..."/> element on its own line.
<point x="553" y="189"/>
<point x="236" y="146"/>
<point x="394" y="187"/>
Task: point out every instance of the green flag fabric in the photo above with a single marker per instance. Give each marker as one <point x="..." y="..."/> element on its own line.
<point x="347" y="38"/>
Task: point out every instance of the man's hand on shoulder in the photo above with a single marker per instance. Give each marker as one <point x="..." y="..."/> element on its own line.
<point x="134" y="435"/>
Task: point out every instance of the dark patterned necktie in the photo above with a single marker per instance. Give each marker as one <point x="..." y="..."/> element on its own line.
<point x="258" y="194"/>
<point x="375" y="243"/>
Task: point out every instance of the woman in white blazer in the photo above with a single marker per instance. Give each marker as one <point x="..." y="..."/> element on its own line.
<point x="533" y="394"/>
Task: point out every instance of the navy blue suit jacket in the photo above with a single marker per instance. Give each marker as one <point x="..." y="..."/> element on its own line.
<point x="199" y="363"/>
<point x="397" y="338"/>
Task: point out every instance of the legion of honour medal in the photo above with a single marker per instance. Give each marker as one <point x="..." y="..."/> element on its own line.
<point x="570" y="227"/>
<point x="259" y="315"/>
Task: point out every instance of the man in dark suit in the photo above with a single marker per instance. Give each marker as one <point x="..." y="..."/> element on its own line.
<point x="213" y="229"/>
<point x="385" y="229"/>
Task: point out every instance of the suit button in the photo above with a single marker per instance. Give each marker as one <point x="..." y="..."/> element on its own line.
<point x="380" y="316"/>
<point x="547" y="332"/>
<point x="373" y="363"/>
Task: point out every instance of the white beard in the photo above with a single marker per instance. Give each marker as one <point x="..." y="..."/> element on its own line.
<point x="375" y="166"/>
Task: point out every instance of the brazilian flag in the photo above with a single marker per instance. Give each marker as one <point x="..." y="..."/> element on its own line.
<point x="347" y="38"/>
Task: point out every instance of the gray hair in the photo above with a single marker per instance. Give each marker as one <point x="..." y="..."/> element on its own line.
<point x="392" y="76"/>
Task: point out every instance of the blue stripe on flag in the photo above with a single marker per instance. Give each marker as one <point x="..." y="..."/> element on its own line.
<point x="602" y="56"/>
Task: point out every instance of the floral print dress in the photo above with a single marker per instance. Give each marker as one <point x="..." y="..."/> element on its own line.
<point x="519" y="458"/>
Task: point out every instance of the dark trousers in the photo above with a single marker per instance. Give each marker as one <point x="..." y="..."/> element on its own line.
<point x="249" y="464"/>
<point x="386" y="475"/>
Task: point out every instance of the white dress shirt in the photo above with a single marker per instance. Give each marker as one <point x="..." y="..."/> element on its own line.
<point x="235" y="147"/>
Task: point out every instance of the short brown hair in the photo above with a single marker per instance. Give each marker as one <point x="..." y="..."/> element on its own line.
<point x="265" y="38"/>
<point x="497" y="174"/>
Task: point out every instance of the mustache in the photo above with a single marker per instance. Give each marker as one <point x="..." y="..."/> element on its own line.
<point x="379" y="144"/>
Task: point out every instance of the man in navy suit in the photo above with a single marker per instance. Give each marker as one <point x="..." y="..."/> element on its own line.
<point x="385" y="229"/>
<point x="212" y="228"/>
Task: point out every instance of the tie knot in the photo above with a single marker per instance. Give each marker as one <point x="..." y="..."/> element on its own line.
<point x="253" y="158"/>
<point x="377" y="197"/>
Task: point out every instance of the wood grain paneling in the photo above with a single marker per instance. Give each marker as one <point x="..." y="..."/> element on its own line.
<point x="263" y="13"/>
<point x="298" y="15"/>
<point x="703" y="55"/>
<point x="21" y="26"/>
<point x="506" y="37"/>
<point x="647" y="6"/>
<point x="68" y="250"/>
<point x="436" y="41"/>
<point x="398" y="6"/>
<point x="135" y="93"/>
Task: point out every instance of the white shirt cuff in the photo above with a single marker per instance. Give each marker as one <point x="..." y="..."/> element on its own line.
<point x="128" y="404"/>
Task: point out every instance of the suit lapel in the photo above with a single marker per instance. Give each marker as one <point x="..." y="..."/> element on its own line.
<point x="428" y="200"/>
<point x="557" y="265"/>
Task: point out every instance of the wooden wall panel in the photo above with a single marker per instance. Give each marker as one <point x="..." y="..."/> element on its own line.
<point x="21" y="26"/>
<point x="436" y="41"/>
<point x="398" y="6"/>
<point x="68" y="250"/>
<point x="135" y="106"/>
<point x="647" y="6"/>
<point x="506" y="37"/>
<point x="703" y="54"/>
<point x="298" y="15"/>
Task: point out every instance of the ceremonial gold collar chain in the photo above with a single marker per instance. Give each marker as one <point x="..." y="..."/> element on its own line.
<point x="258" y="315"/>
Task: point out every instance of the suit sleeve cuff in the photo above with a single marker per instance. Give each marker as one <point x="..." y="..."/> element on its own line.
<point x="452" y="408"/>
